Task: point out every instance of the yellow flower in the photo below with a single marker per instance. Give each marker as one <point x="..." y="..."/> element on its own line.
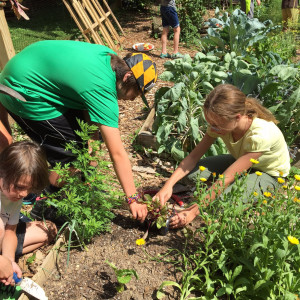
<point x="296" y="200"/>
<point x="265" y="202"/>
<point x="258" y="173"/>
<point x="254" y="161"/>
<point x="203" y="179"/>
<point x="297" y="187"/>
<point x="201" y="168"/>
<point x="267" y="194"/>
<point x="297" y="177"/>
<point x="140" y="242"/>
<point x="293" y="240"/>
<point x="221" y="176"/>
<point x="263" y="213"/>
<point x="284" y="186"/>
<point x="255" y="194"/>
<point x="280" y="180"/>
<point x="214" y="174"/>
<point x="280" y="173"/>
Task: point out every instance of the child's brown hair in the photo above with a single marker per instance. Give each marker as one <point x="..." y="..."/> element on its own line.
<point x="227" y="101"/>
<point x="24" y="158"/>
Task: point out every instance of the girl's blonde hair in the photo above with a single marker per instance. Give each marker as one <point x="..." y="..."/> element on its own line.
<point x="24" y="158"/>
<point x="227" y="101"/>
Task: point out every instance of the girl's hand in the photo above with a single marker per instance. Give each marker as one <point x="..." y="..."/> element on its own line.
<point x="164" y="194"/>
<point x="139" y="211"/>
<point x="17" y="269"/>
<point x="6" y="270"/>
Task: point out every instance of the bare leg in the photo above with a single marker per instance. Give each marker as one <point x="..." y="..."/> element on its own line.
<point x="185" y="217"/>
<point x="164" y="39"/>
<point x="2" y="231"/>
<point x="176" y="39"/>
<point x="38" y="233"/>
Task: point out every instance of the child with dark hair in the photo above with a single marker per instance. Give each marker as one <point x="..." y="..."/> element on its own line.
<point x="252" y="138"/>
<point x="23" y="169"/>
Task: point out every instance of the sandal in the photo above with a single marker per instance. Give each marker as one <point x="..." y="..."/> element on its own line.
<point x="165" y="55"/>
<point x="177" y="55"/>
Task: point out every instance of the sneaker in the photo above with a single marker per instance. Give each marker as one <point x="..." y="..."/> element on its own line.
<point x="29" y="199"/>
<point x="165" y="55"/>
<point x="177" y="55"/>
<point x="9" y="292"/>
<point x="41" y="211"/>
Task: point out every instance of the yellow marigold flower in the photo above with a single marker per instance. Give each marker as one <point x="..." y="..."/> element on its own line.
<point x="280" y="180"/>
<point x="203" y="179"/>
<point x="297" y="177"/>
<point x="255" y="194"/>
<point x="296" y="200"/>
<point x="221" y="176"/>
<point x="201" y="168"/>
<point x="297" y="187"/>
<point x="258" y="173"/>
<point x="140" y="242"/>
<point x="280" y="173"/>
<point x="267" y="194"/>
<point x="284" y="186"/>
<point x="214" y="174"/>
<point x="293" y="240"/>
<point x="265" y="202"/>
<point x="254" y="161"/>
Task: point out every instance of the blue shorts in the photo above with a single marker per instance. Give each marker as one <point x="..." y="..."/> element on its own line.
<point x="169" y="16"/>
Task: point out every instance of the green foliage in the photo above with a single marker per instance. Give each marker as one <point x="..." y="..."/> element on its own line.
<point x="123" y="276"/>
<point x="86" y="204"/>
<point x="243" y="252"/>
<point x="234" y="33"/>
<point x="31" y="259"/>
<point x="284" y="43"/>
<point x="190" y="14"/>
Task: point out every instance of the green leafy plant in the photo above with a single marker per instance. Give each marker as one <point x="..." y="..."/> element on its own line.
<point x="234" y="33"/>
<point x="246" y="250"/>
<point x="124" y="276"/>
<point x="31" y="259"/>
<point x="190" y="14"/>
<point x="87" y="196"/>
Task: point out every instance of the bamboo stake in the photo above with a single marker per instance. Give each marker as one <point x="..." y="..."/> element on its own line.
<point x="7" y="50"/>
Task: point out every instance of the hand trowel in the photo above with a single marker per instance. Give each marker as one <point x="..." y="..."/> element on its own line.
<point x="30" y="287"/>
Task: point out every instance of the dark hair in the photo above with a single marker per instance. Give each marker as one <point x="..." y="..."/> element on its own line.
<point x="120" y="67"/>
<point x="24" y="158"/>
<point x="227" y="101"/>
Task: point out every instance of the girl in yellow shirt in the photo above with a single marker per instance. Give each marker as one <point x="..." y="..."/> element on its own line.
<point x="249" y="132"/>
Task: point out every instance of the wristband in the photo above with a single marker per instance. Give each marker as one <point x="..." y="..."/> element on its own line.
<point x="133" y="198"/>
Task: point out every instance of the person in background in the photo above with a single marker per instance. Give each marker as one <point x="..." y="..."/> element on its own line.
<point x="169" y="18"/>
<point x="63" y="81"/>
<point x="23" y="169"/>
<point x="253" y="140"/>
<point x="247" y="6"/>
<point x="290" y="13"/>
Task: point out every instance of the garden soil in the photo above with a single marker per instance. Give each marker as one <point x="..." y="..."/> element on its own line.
<point x="88" y="276"/>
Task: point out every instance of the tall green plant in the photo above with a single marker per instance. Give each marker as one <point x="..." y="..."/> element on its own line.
<point x="87" y="197"/>
<point x="234" y="33"/>
<point x="190" y="13"/>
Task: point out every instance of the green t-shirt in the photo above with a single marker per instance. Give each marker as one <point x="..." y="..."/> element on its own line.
<point x="54" y="76"/>
<point x="265" y="137"/>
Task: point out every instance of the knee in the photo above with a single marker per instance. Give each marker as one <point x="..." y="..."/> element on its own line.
<point x="51" y="231"/>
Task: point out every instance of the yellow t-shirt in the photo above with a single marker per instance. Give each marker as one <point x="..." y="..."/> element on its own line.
<point x="265" y="137"/>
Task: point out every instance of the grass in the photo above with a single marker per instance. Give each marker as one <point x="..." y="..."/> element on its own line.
<point x="48" y="21"/>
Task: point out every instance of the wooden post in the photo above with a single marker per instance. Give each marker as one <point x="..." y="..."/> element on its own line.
<point x="7" y="50"/>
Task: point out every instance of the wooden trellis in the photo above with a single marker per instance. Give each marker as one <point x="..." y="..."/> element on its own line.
<point x="93" y="20"/>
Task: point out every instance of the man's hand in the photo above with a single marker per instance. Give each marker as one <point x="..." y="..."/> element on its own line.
<point x="6" y="270"/>
<point x="139" y="211"/>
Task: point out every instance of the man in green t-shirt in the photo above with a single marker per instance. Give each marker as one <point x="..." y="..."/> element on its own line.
<point x="65" y="80"/>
